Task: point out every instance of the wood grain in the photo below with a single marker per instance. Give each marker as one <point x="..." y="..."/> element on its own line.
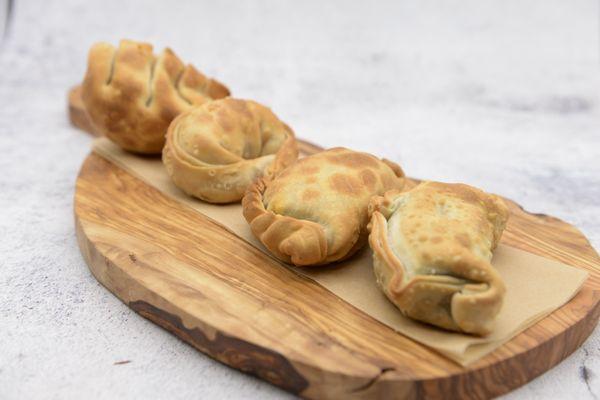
<point x="229" y="300"/>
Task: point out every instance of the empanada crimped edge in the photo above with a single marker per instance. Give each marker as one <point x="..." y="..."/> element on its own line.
<point x="472" y="309"/>
<point x="131" y="94"/>
<point x="302" y="241"/>
<point x="222" y="183"/>
<point x="295" y="241"/>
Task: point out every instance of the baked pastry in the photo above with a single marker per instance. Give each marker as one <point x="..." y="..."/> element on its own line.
<point x="315" y="212"/>
<point x="131" y="95"/>
<point x="215" y="151"/>
<point x="432" y="247"/>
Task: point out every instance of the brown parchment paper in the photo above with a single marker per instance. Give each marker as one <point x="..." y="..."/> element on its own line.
<point x="536" y="286"/>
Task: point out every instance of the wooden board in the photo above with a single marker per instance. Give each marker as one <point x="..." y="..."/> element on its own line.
<point x="229" y="300"/>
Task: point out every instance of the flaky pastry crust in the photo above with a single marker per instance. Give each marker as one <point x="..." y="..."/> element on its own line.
<point x="131" y="95"/>
<point x="215" y="151"/>
<point x="432" y="247"/>
<point x="315" y="212"/>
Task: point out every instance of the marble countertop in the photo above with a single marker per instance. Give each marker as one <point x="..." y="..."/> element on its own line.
<point x="501" y="95"/>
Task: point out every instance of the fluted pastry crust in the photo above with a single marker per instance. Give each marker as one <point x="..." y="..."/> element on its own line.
<point x="131" y="95"/>
<point x="216" y="150"/>
<point x="315" y="212"/>
<point x="432" y="247"/>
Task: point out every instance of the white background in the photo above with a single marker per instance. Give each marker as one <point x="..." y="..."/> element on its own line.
<point x="498" y="94"/>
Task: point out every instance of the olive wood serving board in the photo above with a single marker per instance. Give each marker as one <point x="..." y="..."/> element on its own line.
<point x="229" y="300"/>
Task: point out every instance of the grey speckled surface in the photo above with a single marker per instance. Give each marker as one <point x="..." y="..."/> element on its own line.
<point x="502" y="95"/>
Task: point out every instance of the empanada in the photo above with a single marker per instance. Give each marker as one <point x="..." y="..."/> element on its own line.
<point x="315" y="212"/>
<point x="131" y="95"/>
<point x="215" y="151"/>
<point x="432" y="247"/>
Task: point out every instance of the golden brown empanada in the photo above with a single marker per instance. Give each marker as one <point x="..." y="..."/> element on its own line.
<point x="216" y="150"/>
<point x="315" y="212"/>
<point x="432" y="247"/>
<point x="131" y="95"/>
